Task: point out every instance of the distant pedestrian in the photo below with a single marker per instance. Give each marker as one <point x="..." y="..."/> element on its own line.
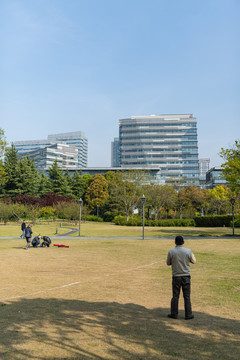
<point x="28" y="235"/>
<point x="23" y="228"/>
<point x="180" y="258"/>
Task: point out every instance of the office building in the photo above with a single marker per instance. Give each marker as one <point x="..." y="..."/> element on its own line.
<point x="167" y="141"/>
<point x="77" y="139"/>
<point x="66" y="156"/>
<point x="214" y="177"/>
<point x="204" y="166"/>
<point x="115" y="153"/>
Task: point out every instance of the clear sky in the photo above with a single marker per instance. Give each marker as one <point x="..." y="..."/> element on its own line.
<point x="81" y="65"/>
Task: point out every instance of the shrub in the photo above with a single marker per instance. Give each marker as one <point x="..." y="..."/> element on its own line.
<point x="236" y="222"/>
<point x="213" y="220"/>
<point x="47" y="212"/>
<point x="120" y="220"/>
<point x="94" y="218"/>
<point x="137" y="221"/>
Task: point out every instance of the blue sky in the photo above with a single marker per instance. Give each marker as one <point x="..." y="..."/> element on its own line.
<point x="81" y="65"/>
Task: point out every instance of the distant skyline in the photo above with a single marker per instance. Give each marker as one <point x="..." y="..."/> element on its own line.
<point x="81" y="65"/>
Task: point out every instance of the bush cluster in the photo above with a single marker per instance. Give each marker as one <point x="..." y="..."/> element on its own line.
<point x="94" y="218"/>
<point x="213" y="221"/>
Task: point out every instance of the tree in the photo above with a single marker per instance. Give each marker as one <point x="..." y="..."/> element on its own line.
<point x="160" y="197"/>
<point x="231" y="167"/>
<point x="59" y="184"/>
<point x="12" y="170"/>
<point x="97" y="191"/>
<point x="79" y="185"/>
<point x="220" y="199"/>
<point x="190" y="199"/>
<point x="29" y="177"/>
<point x="113" y="206"/>
<point x="2" y="143"/>
<point x="44" y="185"/>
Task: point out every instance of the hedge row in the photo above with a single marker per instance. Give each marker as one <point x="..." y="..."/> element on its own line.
<point x="136" y="221"/>
<point x="198" y="221"/>
<point x="213" y="221"/>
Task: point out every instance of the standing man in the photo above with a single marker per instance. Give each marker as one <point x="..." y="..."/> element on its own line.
<point x="23" y="227"/>
<point x="180" y="258"/>
<point x="28" y="235"/>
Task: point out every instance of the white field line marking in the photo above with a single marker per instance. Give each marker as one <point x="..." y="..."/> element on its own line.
<point x="81" y="282"/>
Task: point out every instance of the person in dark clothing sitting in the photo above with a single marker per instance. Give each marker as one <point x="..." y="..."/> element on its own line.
<point x="36" y="241"/>
<point x="46" y="241"/>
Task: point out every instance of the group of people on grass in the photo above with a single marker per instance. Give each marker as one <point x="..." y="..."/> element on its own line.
<point x="36" y="241"/>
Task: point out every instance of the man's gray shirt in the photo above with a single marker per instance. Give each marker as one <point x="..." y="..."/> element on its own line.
<point x="180" y="258"/>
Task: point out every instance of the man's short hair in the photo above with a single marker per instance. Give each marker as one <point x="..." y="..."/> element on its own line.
<point x="179" y="240"/>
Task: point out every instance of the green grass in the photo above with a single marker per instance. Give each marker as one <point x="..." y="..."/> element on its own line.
<point x="109" y="299"/>
<point x="94" y="229"/>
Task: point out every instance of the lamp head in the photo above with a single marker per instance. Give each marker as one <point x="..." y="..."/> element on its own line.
<point x="143" y="199"/>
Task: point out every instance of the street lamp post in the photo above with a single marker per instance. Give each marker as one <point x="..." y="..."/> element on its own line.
<point x="80" y="215"/>
<point x="143" y="199"/>
<point x="232" y="202"/>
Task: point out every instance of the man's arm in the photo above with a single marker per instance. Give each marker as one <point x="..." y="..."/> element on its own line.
<point x="193" y="259"/>
<point x="169" y="259"/>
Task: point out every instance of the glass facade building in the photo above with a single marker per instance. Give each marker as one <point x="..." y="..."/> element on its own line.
<point x="115" y="153"/>
<point x="77" y="139"/>
<point x="167" y="141"/>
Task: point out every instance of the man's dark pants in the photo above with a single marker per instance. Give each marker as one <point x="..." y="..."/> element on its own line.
<point x="183" y="282"/>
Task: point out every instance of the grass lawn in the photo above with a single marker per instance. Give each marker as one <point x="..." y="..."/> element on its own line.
<point x="94" y="229"/>
<point x="109" y="299"/>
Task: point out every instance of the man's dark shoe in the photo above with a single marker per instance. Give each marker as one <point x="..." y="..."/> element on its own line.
<point x="189" y="317"/>
<point x="172" y="316"/>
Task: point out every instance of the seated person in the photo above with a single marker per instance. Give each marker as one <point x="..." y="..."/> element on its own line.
<point x="46" y="241"/>
<point x="36" y="241"/>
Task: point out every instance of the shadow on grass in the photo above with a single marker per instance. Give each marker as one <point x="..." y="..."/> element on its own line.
<point x="72" y="329"/>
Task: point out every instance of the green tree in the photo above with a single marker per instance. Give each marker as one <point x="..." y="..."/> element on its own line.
<point x="59" y="184"/>
<point x="220" y="199"/>
<point x="79" y="185"/>
<point x="231" y="166"/>
<point x="29" y="180"/>
<point x="113" y="206"/>
<point x="160" y="197"/>
<point x="2" y="177"/>
<point x="97" y="191"/>
<point x="45" y="185"/>
<point x="189" y="199"/>
<point x="11" y="167"/>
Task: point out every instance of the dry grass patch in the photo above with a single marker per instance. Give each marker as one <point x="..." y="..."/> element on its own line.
<point x="108" y="299"/>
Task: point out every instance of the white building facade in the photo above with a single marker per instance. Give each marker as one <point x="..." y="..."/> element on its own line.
<point x="76" y="139"/>
<point x="65" y="155"/>
<point x="167" y="141"/>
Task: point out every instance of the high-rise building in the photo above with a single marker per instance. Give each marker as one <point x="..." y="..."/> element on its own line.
<point x="115" y="154"/>
<point x="167" y="141"/>
<point x="65" y="155"/>
<point x="204" y="166"/>
<point x="77" y="139"/>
